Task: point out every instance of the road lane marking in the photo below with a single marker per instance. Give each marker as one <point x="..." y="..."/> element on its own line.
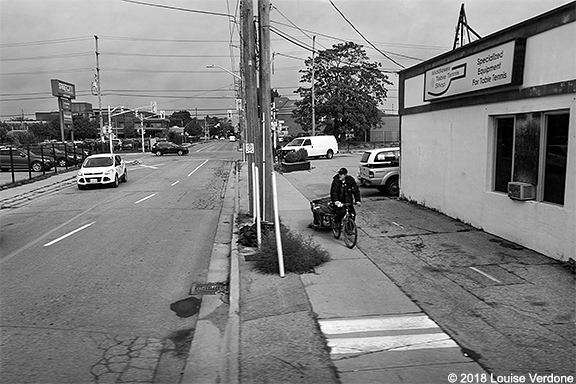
<point x="486" y="275"/>
<point x="145" y="198"/>
<point x="198" y="167"/>
<point x="25" y="247"/>
<point x="68" y="234"/>
<point x="174" y="183"/>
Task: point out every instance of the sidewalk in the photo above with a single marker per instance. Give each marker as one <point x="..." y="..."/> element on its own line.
<point x="374" y="332"/>
<point x="511" y="308"/>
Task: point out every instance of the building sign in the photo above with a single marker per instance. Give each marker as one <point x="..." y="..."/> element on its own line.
<point x="487" y="69"/>
<point x="63" y="89"/>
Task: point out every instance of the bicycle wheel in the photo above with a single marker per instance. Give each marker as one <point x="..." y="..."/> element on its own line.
<point x="336" y="230"/>
<point x="350" y="233"/>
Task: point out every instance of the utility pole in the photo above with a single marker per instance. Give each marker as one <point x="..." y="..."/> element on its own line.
<point x="98" y="90"/>
<point x="265" y="107"/>
<point x="248" y="47"/>
<point x="312" y="90"/>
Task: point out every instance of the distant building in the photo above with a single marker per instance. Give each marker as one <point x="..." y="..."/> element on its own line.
<point x="388" y="132"/>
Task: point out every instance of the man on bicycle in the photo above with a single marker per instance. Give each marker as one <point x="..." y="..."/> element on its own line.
<point x="344" y="190"/>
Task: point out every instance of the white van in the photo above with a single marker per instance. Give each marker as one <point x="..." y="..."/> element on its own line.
<point x="315" y="145"/>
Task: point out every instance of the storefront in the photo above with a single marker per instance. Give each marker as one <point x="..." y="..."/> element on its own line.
<point x="488" y="133"/>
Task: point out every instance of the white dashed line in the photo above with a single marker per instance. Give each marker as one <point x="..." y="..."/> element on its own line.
<point x="146" y="198"/>
<point x="68" y="234"/>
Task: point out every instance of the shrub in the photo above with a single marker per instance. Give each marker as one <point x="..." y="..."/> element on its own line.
<point x="300" y="255"/>
<point x="295" y="157"/>
<point x="291" y="157"/>
<point x="302" y="154"/>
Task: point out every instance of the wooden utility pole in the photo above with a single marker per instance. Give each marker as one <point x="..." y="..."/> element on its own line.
<point x="248" y="47"/>
<point x="265" y="110"/>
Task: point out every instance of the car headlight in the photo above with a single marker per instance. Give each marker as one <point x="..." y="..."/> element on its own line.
<point x="109" y="172"/>
<point x="79" y="174"/>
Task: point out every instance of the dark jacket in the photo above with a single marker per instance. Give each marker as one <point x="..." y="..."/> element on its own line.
<point x="344" y="192"/>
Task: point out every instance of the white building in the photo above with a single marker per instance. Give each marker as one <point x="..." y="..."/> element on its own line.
<point x="488" y="133"/>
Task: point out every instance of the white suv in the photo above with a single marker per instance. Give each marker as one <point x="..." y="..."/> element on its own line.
<point x="102" y="169"/>
<point x="380" y="168"/>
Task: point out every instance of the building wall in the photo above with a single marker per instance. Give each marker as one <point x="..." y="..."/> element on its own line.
<point x="448" y="148"/>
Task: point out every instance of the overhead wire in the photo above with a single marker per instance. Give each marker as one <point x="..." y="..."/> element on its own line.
<point x="365" y="39"/>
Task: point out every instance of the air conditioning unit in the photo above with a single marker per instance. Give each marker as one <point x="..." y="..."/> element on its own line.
<point x="521" y="191"/>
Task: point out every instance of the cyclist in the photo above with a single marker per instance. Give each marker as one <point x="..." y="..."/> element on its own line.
<point x="344" y="190"/>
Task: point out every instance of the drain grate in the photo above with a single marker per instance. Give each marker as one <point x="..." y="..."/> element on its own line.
<point x="209" y="288"/>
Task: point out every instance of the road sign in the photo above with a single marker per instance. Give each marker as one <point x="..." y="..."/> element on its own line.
<point x="249" y="147"/>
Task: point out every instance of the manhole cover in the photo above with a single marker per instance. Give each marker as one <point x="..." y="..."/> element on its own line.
<point x="209" y="288"/>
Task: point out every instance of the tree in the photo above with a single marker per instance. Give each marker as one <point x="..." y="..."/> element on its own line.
<point x="347" y="88"/>
<point x="129" y="129"/>
<point x="85" y="128"/>
<point x="45" y="131"/>
<point x="180" y="118"/>
<point x="193" y="128"/>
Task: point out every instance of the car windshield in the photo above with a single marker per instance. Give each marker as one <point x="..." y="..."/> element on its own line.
<point x="295" y="143"/>
<point x="98" y="162"/>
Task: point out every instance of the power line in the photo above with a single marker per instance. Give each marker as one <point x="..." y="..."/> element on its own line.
<point x="365" y="39"/>
<point x="178" y="8"/>
<point x="55" y="56"/>
<point x="45" y="42"/>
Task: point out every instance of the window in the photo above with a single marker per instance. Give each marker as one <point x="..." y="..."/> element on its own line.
<point x="504" y="152"/>
<point x="556" y="156"/>
<point x="532" y="148"/>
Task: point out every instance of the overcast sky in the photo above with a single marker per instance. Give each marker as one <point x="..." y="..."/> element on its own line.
<point x="149" y="53"/>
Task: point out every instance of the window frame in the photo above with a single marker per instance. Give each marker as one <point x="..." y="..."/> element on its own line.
<point x="542" y="153"/>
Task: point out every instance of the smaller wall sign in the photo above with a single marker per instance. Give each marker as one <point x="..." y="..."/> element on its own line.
<point x="486" y="69"/>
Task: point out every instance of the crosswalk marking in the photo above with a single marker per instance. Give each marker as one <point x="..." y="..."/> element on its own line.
<point x="389" y="333"/>
<point x="390" y="343"/>
<point x="374" y="324"/>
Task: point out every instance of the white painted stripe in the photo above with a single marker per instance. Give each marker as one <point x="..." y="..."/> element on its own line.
<point x="390" y="343"/>
<point x="198" y="167"/>
<point x="486" y="275"/>
<point x="68" y="234"/>
<point x="342" y="326"/>
<point x="174" y="183"/>
<point x="145" y="198"/>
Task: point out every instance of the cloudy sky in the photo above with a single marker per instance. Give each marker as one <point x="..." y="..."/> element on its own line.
<point x="150" y="53"/>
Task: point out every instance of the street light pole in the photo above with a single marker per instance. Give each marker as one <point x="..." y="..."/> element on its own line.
<point x="224" y="69"/>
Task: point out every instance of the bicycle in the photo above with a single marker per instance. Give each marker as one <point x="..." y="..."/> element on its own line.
<point x="348" y="224"/>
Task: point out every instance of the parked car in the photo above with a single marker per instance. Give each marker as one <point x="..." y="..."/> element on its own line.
<point x="127" y="145"/>
<point x="380" y="168"/>
<point x="102" y="169"/>
<point x="62" y="159"/>
<point x="23" y="160"/>
<point x="232" y="138"/>
<point x="316" y="146"/>
<point x="165" y="147"/>
<point x="77" y="152"/>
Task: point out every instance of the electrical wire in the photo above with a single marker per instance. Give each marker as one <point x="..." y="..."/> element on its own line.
<point x="365" y="39"/>
<point x="178" y="8"/>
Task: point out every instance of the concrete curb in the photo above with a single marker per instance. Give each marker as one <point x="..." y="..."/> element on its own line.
<point x="214" y="351"/>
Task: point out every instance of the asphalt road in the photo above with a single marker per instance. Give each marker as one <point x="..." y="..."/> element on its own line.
<point x="88" y="277"/>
